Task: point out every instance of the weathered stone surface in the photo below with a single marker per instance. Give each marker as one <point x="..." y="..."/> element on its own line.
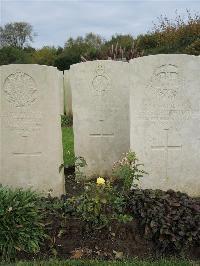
<point x="67" y="93"/>
<point x="30" y="135"/>
<point x="100" y="104"/>
<point x="165" y="120"/>
<point x="61" y="85"/>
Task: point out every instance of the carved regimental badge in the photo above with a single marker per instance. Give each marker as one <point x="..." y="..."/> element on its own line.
<point x="101" y="82"/>
<point x="166" y="81"/>
<point x="165" y="101"/>
<point x="20" y="89"/>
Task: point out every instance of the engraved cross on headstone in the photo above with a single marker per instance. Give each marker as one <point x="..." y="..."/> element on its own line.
<point x="166" y="148"/>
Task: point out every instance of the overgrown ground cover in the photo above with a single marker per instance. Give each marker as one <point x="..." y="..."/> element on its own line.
<point x="99" y="223"/>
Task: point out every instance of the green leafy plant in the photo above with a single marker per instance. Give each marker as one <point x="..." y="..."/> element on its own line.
<point x="21" y="229"/>
<point x="127" y="172"/>
<point x="78" y="162"/>
<point x="176" y="36"/>
<point x="193" y="48"/>
<point x="171" y="219"/>
<point x="99" y="204"/>
<point x="105" y="200"/>
<point x="93" y="203"/>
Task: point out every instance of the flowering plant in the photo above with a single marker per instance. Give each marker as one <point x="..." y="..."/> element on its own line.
<point x="104" y="200"/>
<point x="100" y="203"/>
<point x="127" y="172"/>
<point x="100" y="181"/>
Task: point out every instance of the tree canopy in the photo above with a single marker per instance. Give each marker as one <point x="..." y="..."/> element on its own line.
<point x="16" y="34"/>
<point x="179" y="35"/>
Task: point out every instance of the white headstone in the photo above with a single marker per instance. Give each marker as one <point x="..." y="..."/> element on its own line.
<point x="61" y="85"/>
<point x="165" y="120"/>
<point x="67" y="93"/>
<point x="100" y="102"/>
<point x="30" y="135"/>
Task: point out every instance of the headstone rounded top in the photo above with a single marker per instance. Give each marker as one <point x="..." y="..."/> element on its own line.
<point x="162" y="56"/>
<point x="28" y="67"/>
<point x="94" y="62"/>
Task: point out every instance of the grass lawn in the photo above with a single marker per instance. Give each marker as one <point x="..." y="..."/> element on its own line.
<point x="134" y="262"/>
<point x="68" y="145"/>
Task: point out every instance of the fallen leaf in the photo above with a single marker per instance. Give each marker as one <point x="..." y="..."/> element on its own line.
<point x="19" y="225"/>
<point x="61" y="232"/>
<point x="118" y="254"/>
<point x="18" y="248"/>
<point x="77" y="254"/>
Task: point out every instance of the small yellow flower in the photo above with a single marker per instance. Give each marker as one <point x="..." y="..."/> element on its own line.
<point x="101" y="181"/>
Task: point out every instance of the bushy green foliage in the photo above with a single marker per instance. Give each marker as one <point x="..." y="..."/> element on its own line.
<point x="193" y="48"/>
<point x="172" y="36"/>
<point x="45" y="56"/>
<point x="125" y="41"/>
<point x="87" y="48"/>
<point x="127" y="172"/>
<point x="99" y="204"/>
<point x="11" y="55"/>
<point x="171" y="219"/>
<point x="20" y="222"/>
<point x="104" y="200"/>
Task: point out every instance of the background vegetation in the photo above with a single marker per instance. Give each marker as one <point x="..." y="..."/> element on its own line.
<point x="167" y="36"/>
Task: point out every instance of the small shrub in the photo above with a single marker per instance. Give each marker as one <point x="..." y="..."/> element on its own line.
<point x="20" y="222"/>
<point x="171" y="219"/>
<point x="99" y="204"/>
<point x="193" y="48"/>
<point x="127" y="172"/>
<point x="105" y="200"/>
<point x="78" y="163"/>
<point x="175" y="36"/>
